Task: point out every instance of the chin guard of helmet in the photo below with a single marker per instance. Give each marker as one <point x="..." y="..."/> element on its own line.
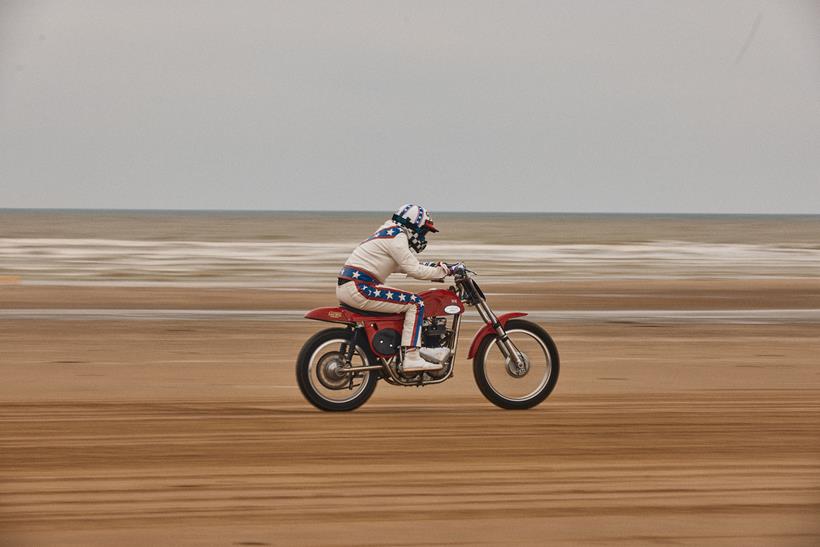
<point x="418" y="230"/>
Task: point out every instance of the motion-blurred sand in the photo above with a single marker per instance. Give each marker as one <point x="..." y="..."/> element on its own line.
<point x="194" y="433"/>
<point x="140" y="405"/>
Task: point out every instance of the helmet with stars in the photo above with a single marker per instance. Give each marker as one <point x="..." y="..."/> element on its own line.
<point x="416" y="220"/>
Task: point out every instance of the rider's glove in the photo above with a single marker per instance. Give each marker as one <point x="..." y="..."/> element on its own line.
<point x="455" y="269"/>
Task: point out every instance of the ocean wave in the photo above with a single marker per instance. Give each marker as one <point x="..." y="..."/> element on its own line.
<point x="295" y="263"/>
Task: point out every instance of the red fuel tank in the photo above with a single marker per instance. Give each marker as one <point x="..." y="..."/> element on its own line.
<point x="438" y="302"/>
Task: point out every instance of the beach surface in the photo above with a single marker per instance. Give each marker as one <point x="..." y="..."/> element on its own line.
<point x="191" y="431"/>
<point x="151" y="399"/>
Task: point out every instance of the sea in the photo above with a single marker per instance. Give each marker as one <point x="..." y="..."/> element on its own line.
<point x="305" y="248"/>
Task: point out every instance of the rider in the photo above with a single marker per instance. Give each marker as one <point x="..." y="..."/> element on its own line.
<point x="385" y="252"/>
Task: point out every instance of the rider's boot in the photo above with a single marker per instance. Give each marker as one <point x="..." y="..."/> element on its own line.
<point x="435" y="355"/>
<point x="413" y="362"/>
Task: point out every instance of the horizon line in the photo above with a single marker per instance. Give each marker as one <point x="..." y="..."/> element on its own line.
<point x="375" y="211"/>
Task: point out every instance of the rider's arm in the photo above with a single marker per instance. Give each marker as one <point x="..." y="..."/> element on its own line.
<point x="409" y="264"/>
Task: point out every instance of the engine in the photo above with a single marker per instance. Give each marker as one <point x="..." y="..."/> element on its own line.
<point x="434" y="333"/>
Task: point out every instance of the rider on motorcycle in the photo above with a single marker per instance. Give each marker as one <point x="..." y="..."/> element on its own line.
<point x="389" y="251"/>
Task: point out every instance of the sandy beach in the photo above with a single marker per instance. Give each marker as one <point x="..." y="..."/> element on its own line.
<point x="150" y="395"/>
<point x="192" y="431"/>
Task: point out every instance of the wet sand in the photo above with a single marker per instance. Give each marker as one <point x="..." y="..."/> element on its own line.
<point x="629" y="294"/>
<point x="194" y="433"/>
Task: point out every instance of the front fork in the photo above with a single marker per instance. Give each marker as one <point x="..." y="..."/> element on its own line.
<point x="505" y="345"/>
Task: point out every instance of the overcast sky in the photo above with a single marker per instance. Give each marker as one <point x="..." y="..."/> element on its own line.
<point x="569" y="106"/>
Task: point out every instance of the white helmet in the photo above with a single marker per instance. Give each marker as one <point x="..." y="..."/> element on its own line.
<point x="418" y="222"/>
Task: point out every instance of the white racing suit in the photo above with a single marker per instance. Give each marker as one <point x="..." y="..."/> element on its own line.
<point x="360" y="280"/>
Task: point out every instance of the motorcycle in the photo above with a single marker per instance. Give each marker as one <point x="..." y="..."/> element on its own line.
<point x="515" y="361"/>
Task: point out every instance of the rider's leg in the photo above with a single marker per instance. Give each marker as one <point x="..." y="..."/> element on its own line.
<point x="411" y="341"/>
<point x="376" y="298"/>
<point x="391" y="300"/>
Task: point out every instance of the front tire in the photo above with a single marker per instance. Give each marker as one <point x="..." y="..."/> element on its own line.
<point x="500" y="385"/>
<point x="317" y="378"/>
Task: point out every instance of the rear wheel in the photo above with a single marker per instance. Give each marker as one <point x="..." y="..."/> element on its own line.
<point x="320" y="376"/>
<point x="502" y="382"/>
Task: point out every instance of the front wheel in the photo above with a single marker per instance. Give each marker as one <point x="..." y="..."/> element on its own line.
<point x="320" y="376"/>
<point x="507" y="386"/>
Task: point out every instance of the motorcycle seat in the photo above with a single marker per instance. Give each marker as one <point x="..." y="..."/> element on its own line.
<point x="366" y="312"/>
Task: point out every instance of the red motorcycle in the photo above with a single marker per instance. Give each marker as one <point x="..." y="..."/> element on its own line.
<point x="515" y="362"/>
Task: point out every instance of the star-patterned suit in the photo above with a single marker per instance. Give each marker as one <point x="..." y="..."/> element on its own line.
<point x="360" y="280"/>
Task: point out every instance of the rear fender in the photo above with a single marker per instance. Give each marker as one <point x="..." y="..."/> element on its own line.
<point x="331" y="315"/>
<point x="488" y="330"/>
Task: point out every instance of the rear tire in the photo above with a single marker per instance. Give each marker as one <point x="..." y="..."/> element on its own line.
<point x="545" y="387"/>
<point x="306" y="372"/>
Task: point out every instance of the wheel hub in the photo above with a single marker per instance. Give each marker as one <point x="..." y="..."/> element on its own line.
<point x="514" y="370"/>
<point x="329" y="371"/>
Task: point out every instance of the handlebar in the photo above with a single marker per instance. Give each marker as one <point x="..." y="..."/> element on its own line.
<point x="460" y="273"/>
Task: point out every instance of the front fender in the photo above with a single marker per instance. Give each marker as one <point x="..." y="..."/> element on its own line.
<point x="487" y="330"/>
